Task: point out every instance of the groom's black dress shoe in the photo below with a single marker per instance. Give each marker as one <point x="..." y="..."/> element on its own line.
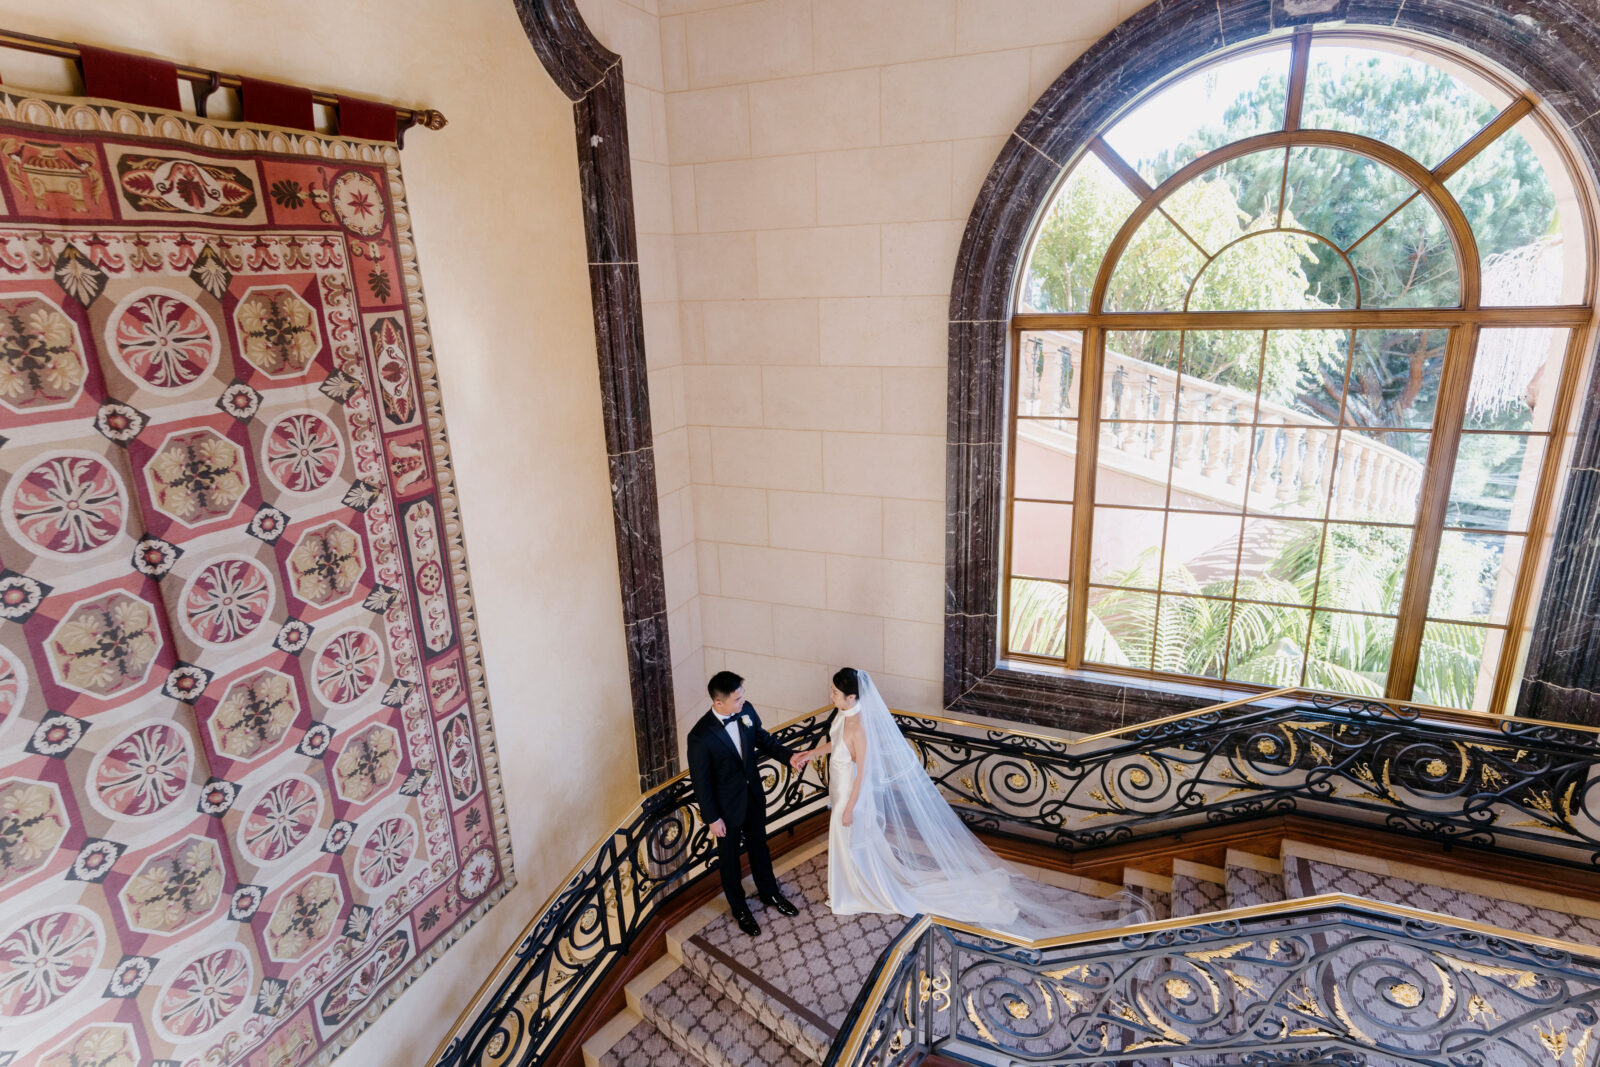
<point x="780" y="904"/>
<point x="747" y="922"/>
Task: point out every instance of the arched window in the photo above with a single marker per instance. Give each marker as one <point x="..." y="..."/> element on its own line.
<point x="1293" y="348"/>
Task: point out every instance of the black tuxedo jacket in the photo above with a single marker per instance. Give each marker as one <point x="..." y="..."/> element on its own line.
<point x="726" y="785"/>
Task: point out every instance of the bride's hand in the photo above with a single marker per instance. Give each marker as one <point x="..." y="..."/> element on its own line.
<point x="844" y="817"/>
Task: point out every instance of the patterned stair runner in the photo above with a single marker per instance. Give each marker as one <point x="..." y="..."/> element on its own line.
<point x="1197" y="889"/>
<point x="1312" y="869"/>
<point x="1154" y="891"/>
<point x="1253" y="879"/>
<point x="700" y="1018"/>
<point x="721" y="999"/>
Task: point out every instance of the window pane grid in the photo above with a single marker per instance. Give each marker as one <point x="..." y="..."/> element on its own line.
<point x="1264" y="603"/>
<point x="1258" y="493"/>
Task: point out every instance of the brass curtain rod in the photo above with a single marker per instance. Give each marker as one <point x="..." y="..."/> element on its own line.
<point x="211" y="80"/>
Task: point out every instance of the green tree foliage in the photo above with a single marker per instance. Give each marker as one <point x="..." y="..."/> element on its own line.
<point x="1406" y="262"/>
<point x="1267" y="643"/>
<point x="1373" y="233"/>
<point x="1159" y="267"/>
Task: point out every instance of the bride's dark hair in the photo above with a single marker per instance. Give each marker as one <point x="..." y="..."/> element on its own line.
<point x="846" y="681"/>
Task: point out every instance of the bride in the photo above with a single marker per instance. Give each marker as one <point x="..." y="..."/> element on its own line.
<point x="896" y="846"/>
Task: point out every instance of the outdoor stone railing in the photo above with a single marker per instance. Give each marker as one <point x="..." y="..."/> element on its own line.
<point x="1289" y="458"/>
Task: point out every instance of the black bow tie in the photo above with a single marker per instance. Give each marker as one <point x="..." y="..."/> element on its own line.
<point x="726" y="721"/>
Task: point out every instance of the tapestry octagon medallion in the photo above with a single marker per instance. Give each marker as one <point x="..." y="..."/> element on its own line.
<point x="248" y="787"/>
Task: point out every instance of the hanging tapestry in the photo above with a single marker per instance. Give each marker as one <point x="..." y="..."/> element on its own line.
<point x="247" y="783"/>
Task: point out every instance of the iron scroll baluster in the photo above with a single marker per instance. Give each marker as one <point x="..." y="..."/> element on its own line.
<point x="1329" y="980"/>
<point x="1519" y="787"/>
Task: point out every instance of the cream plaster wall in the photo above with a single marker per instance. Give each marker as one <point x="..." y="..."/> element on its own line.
<point x="499" y="236"/>
<point x="821" y="159"/>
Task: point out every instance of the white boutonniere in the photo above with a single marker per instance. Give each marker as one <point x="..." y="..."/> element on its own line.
<point x="744" y="717"/>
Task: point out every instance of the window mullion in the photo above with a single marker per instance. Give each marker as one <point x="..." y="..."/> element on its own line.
<point x="1514" y="113"/>
<point x="1008" y="522"/>
<point x="1089" y="384"/>
<point x="1454" y="386"/>
<point x="1540" y="515"/>
<point x="1299" y="61"/>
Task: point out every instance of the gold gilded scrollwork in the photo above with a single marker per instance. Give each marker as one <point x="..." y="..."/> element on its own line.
<point x="1343" y="1016"/>
<point x="1557" y="820"/>
<point x="935" y="988"/>
<point x="1520" y="978"/>
<point x="1224" y="953"/>
<point x="1554" y="1042"/>
<point x="977" y="1023"/>
<point x="1403" y="994"/>
<point x="1304" y="1001"/>
<point x="1244" y="983"/>
<point x="1047" y="1000"/>
<point x="1073" y="999"/>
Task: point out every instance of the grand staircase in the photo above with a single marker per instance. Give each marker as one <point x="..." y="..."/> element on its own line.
<point x="721" y="999"/>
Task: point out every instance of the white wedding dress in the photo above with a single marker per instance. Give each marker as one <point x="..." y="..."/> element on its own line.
<point x="906" y="851"/>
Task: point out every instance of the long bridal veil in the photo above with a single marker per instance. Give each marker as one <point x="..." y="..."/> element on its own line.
<point x="909" y="845"/>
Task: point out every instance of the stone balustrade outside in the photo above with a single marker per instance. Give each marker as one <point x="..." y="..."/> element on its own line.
<point x="1283" y="460"/>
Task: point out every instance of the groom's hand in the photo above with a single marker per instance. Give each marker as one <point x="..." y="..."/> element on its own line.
<point x="719" y="829"/>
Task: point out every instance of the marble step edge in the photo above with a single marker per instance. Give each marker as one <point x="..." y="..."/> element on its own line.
<point x="603" y="1040"/>
<point x="1252" y="879"/>
<point x="694" y="1035"/>
<point x="620" y="1025"/>
<point x="807" y="1038"/>
<point x="810" y="1037"/>
<point x="1485" y="887"/>
<point x="1188" y="898"/>
<point x="1154" y="889"/>
<point x="1412" y="872"/>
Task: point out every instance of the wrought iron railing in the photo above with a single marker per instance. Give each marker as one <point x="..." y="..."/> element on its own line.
<point x="1486" y="781"/>
<point x="1518" y="786"/>
<point x="589" y="924"/>
<point x="1325" y="980"/>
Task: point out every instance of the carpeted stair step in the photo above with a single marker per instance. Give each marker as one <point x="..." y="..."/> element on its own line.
<point x="639" y="1044"/>
<point x="800" y="976"/>
<point x="1309" y="870"/>
<point x="1154" y="891"/>
<point x="1197" y="889"/>
<point x="1253" y="879"/>
<point x="704" y="1022"/>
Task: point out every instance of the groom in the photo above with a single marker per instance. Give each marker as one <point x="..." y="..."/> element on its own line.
<point x="723" y="749"/>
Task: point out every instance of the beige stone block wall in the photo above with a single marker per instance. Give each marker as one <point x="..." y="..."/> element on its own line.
<point x="823" y="156"/>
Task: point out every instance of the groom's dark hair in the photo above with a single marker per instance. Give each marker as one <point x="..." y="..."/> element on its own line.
<point x="846" y="681"/>
<point x="723" y="684"/>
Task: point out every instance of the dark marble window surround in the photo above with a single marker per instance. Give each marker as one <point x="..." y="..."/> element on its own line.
<point x="591" y="77"/>
<point x="1552" y="45"/>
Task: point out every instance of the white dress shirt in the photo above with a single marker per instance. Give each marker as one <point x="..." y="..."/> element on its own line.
<point x="731" y="724"/>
